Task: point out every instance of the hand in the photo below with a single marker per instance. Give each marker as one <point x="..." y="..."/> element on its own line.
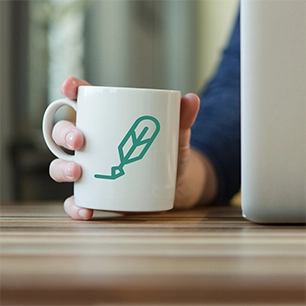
<point x="195" y="176"/>
<point x="67" y="135"/>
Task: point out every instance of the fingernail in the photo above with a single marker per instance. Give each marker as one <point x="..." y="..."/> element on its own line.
<point x="68" y="171"/>
<point x="83" y="213"/>
<point x="64" y="85"/>
<point x="70" y="139"/>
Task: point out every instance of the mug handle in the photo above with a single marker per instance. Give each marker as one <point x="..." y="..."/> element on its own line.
<point x="47" y="127"/>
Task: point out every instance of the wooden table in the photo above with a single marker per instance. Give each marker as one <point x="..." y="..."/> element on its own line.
<point x="204" y="256"/>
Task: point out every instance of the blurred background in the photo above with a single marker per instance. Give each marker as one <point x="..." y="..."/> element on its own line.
<point x="166" y="44"/>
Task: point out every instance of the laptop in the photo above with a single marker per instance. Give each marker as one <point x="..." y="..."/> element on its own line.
<point x="273" y="116"/>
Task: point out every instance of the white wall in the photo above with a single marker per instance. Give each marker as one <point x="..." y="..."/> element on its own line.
<point x="141" y="43"/>
<point x="180" y="45"/>
<point x="106" y="42"/>
<point x="5" y="99"/>
<point x="215" y="20"/>
<point x="180" y="50"/>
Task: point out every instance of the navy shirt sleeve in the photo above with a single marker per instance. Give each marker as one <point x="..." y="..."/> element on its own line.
<point x="216" y="132"/>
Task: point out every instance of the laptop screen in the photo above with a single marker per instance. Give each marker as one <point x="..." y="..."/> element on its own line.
<point x="273" y="124"/>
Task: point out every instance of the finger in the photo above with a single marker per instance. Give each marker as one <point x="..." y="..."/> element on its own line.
<point x="70" y="86"/>
<point x="75" y="212"/>
<point x="190" y="105"/>
<point x="65" y="134"/>
<point x="62" y="171"/>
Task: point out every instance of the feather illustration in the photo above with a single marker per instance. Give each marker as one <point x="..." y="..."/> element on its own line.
<point x="134" y="145"/>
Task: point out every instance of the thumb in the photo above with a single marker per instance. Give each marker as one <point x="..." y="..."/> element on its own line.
<point x="190" y="105"/>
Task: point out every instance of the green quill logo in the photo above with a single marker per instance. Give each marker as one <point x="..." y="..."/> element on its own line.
<point x="134" y="146"/>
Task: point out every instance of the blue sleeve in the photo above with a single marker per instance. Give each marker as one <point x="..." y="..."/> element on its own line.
<point x="216" y="132"/>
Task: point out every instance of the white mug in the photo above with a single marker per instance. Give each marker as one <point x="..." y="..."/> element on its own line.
<point x="129" y="159"/>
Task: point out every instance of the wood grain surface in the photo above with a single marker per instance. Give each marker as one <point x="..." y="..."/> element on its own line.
<point x="207" y="256"/>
